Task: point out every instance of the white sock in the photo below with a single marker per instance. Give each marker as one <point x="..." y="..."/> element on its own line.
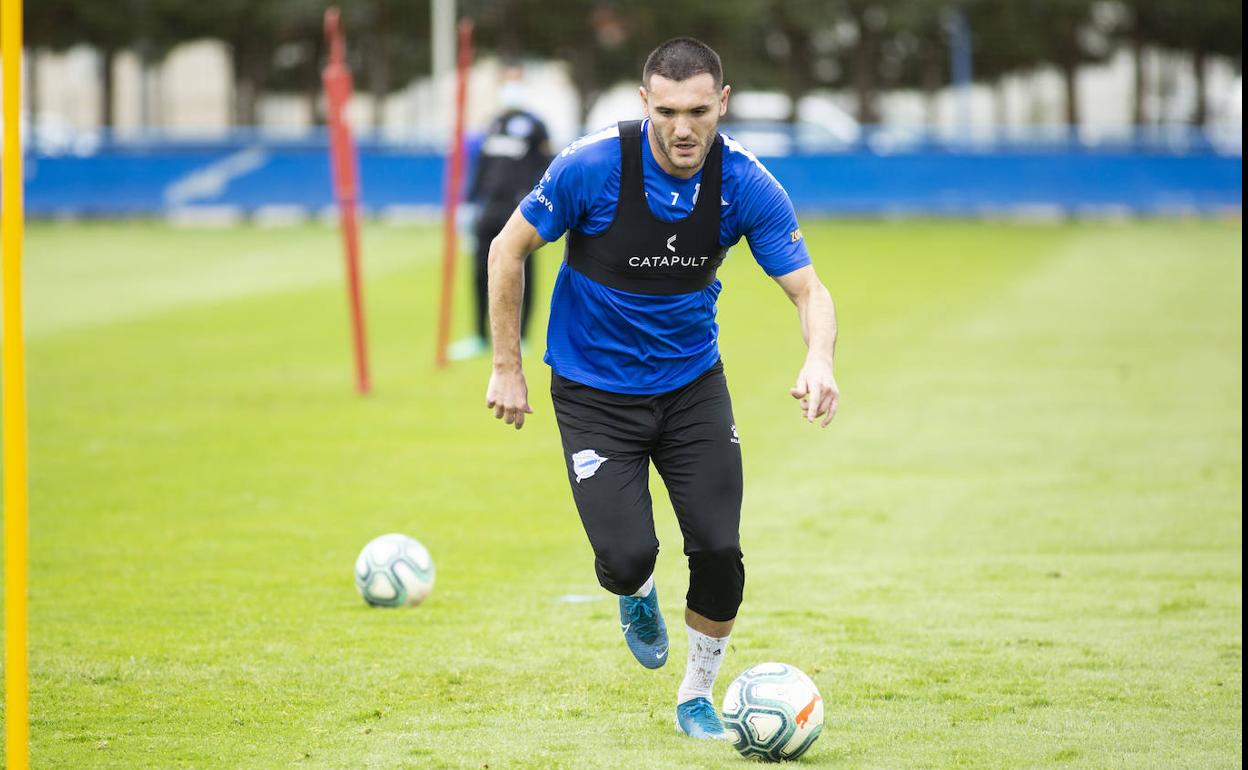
<point x="646" y="588"/>
<point x="705" y="655"/>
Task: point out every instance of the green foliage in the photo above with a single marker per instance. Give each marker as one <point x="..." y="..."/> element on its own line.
<point x="1215" y="26"/>
<point x="794" y="45"/>
<point x="1019" y="545"/>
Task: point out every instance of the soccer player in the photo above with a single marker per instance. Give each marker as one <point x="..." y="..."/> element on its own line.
<point x="650" y="208"/>
<point x="513" y="155"/>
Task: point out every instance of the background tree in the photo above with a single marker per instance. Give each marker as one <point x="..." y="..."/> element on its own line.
<point x="254" y="31"/>
<point x="1211" y="27"/>
<point x="918" y="50"/>
<point x="48" y="24"/>
<point x="1027" y="33"/>
<point x="864" y="47"/>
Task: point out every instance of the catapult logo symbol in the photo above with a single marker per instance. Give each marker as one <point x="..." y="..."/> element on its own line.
<point x="671" y="244"/>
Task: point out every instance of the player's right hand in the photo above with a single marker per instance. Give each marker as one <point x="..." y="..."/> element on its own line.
<point x="508" y="396"/>
<point x="816" y="391"/>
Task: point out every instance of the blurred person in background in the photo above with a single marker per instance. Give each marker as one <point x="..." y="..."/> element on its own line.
<point x="650" y="209"/>
<point x="514" y="153"/>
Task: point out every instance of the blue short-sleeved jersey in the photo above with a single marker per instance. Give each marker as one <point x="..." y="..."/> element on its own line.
<point x="623" y="342"/>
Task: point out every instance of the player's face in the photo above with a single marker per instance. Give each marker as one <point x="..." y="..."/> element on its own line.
<point x="683" y="116"/>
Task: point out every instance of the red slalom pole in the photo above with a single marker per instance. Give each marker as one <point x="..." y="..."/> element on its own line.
<point x="454" y="182"/>
<point x="337" y="80"/>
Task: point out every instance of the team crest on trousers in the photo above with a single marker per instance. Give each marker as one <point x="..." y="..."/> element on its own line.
<point x="586" y="463"/>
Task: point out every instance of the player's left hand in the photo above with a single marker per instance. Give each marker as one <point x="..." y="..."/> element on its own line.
<point x="816" y="391"/>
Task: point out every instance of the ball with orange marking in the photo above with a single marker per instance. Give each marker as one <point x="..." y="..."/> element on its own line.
<point x="773" y="712"/>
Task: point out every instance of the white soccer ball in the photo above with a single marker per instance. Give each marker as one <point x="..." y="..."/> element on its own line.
<point x="773" y="712"/>
<point x="393" y="571"/>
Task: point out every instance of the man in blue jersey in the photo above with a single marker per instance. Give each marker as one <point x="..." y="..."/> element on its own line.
<point x="650" y="208"/>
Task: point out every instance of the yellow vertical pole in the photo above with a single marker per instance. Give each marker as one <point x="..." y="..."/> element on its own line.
<point x="16" y="525"/>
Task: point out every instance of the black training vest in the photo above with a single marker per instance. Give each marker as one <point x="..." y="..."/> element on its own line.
<point x="642" y="254"/>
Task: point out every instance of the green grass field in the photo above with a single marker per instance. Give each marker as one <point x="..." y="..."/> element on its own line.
<point x="1019" y="545"/>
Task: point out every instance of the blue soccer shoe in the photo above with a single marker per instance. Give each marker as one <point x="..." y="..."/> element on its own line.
<point x="644" y="629"/>
<point x="697" y="718"/>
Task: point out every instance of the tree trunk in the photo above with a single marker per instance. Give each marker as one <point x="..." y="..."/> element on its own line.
<point x="379" y="67"/>
<point x="244" y="101"/>
<point x="1070" y="77"/>
<point x="32" y="84"/>
<point x="107" y="55"/>
<point x="248" y="75"/>
<point x="380" y="87"/>
<point x="1167" y="80"/>
<point x="798" y="64"/>
<point x="1139" y="112"/>
<point x="312" y="94"/>
<point x="1001" y="105"/>
<point x="583" y="79"/>
<point x="1068" y="55"/>
<point x="932" y="67"/>
<point x="799" y="70"/>
<point x="147" y="95"/>
<point x="865" y="58"/>
<point x="1202" y="101"/>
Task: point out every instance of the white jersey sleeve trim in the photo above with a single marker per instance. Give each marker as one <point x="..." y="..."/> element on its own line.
<point x="734" y="146"/>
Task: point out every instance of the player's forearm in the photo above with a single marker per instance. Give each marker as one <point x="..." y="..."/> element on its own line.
<point x="818" y="317"/>
<point x="506" y="273"/>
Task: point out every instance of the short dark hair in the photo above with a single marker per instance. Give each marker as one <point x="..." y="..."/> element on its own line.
<point x="680" y="59"/>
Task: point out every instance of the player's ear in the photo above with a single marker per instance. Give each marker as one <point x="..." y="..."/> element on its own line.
<point x="723" y="99"/>
<point x="645" y="100"/>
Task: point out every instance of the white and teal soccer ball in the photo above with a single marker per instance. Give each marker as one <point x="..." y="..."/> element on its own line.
<point x="773" y="712"/>
<point x="394" y="571"/>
